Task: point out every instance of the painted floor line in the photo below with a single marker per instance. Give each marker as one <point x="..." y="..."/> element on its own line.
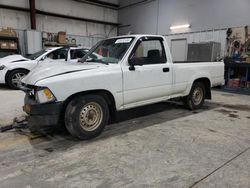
<point x="224" y="164"/>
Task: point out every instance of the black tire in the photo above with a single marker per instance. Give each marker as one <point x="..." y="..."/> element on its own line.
<point x="191" y="101"/>
<point x="77" y="115"/>
<point x="15" y="74"/>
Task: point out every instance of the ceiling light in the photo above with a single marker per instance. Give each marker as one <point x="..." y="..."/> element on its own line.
<point x="180" y="26"/>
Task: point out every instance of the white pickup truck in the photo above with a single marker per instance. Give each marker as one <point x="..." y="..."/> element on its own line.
<point x="129" y="71"/>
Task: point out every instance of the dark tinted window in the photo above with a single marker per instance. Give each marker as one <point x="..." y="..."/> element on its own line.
<point x="78" y="53"/>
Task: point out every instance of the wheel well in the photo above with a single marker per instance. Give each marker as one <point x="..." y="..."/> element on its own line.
<point x="109" y="98"/>
<point x="207" y="85"/>
<point x="9" y="71"/>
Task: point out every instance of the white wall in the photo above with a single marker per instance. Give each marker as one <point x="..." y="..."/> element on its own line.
<point x="208" y="18"/>
<point x="142" y="18"/>
<point x="18" y="3"/>
<point x="85" y="33"/>
<point x="21" y="20"/>
<point x="157" y="16"/>
<point x="73" y="8"/>
<point x="15" y="19"/>
<point x="204" y="36"/>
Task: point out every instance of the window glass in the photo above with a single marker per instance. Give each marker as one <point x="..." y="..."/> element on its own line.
<point x="150" y="52"/>
<point x="58" y="54"/>
<point x="72" y="54"/>
<point x="36" y="55"/>
<point x="77" y="54"/>
<point x="109" y="51"/>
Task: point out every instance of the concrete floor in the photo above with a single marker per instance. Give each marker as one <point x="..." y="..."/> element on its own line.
<point x="11" y="104"/>
<point x="160" y="145"/>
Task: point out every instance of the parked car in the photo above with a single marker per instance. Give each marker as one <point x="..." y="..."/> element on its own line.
<point x="15" y="67"/>
<point x="129" y="71"/>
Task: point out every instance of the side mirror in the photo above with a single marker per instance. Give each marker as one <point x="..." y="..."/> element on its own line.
<point x="133" y="62"/>
<point x="43" y="58"/>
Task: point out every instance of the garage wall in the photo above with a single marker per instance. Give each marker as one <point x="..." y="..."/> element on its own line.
<point x="156" y="16"/>
<point x="69" y="7"/>
<point x="203" y="36"/>
<point x="86" y="33"/>
<point x="208" y="18"/>
<point x="20" y="20"/>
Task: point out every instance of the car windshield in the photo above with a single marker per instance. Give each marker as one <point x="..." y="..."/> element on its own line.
<point x="108" y="51"/>
<point x="36" y="55"/>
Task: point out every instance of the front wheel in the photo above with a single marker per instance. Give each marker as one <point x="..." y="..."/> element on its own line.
<point x="15" y="77"/>
<point x="86" y="116"/>
<point x="196" y="97"/>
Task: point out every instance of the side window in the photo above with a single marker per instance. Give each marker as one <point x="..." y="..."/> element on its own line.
<point x="77" y="54"/>
<point x="72" y="54"/>
<point x="150" y="52"/>
<point x="58" y="54"/>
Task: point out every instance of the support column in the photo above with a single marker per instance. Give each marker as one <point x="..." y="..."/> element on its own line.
<point x="32" y="14"/>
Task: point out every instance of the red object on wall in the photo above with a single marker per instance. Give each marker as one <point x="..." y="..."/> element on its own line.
<point x="234" y="83"/>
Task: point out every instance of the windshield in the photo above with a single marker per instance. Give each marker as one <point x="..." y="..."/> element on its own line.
<point x="36" y="55"/>
<point x="108" y="51"/>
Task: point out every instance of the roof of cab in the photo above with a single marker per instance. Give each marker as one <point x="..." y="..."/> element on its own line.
<point x="55" y="48"/>
<point x="138" y="36"/>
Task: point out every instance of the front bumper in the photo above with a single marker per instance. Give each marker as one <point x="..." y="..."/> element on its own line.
<point x="2" y="76"/>
<point x="42" y="115"/>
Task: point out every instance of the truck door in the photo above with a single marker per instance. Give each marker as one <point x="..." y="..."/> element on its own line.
<point x="152" y="75"/>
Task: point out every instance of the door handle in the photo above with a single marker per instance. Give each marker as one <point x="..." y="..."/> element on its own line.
<point x="166" y="69"/>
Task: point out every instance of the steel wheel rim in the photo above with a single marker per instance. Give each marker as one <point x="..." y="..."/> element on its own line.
<point x="91" y="116"/>
<point x="16" y="78"/>
<point x="197" y="96"/>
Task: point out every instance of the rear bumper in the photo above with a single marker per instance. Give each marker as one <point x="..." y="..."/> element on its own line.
<point x="42" y="115"/>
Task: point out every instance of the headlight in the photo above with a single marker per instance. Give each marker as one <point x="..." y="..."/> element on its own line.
<point x="2" y="67"/>
<point x="44" y="95"/>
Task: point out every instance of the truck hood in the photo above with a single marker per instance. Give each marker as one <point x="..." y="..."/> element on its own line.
<point x="48" y="70"/>
<point x="12" y="59"/>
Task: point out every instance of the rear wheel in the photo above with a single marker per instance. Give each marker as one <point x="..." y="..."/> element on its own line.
<point x="15" y="77"/>
<point x="196" y="97"/>
<point x="86" y="116"/>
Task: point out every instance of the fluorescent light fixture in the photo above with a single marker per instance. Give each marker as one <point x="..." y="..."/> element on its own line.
<point x="180" y="26"/>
